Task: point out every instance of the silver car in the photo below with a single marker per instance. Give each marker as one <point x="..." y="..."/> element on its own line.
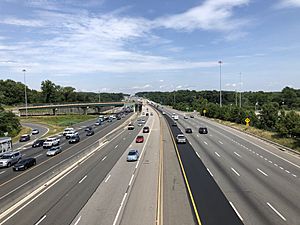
<point x="133" y="155"/>
<point x="53" y="151"/>
<point x="8" y="159"/>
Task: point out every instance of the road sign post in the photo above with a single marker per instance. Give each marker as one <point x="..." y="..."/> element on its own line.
<point x="247" y="120"/>
<point x="204" y="111"/>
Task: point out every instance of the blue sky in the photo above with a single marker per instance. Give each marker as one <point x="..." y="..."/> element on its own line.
<point x="164" y="45"/>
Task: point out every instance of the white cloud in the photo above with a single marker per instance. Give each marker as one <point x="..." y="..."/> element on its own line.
<point x="211" y="15"/>
<point x="288" y="4"/>
<point x="22" y="22"/>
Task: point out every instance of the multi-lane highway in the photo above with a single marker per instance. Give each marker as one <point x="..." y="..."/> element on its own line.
<point x="260" y="182"/>
<point x="223" y="177"/>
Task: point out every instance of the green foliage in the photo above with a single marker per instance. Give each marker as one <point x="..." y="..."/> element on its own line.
<point x="9" y="123"/>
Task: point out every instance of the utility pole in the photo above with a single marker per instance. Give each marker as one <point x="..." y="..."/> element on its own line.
<point x="240" y="89"/>
<point x="99" y="97"/>
<point x="24" y="71"/>
<point x="220" y="62"/>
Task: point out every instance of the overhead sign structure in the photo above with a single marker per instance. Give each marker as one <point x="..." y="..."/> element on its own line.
<point x="247" y="120"/>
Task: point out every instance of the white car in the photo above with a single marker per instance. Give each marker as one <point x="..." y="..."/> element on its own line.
<point x="35" y="131"/>
<point x="181" y="139"/>
<point x="50" y="142"/>
<point x="10" y="158"/>
<point x="67" y="130"/>
<point x="53" y="151"/>
<point x="71" y="134"/>
<point x="133" y="155"/>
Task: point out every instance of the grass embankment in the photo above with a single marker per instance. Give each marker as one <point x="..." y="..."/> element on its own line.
<point x="292" y="143"/>
<point x="24" y="130"/>
<point x="58" y="123"/>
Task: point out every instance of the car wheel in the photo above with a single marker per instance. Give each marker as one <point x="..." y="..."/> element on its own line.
<point x="25" y="167"/>
<point x="8" y="164"/>
<point x="34" y="163"/>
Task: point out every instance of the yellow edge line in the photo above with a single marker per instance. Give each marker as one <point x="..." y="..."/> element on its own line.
<point x="185" y="178"/>
<point x="159" y="211"/>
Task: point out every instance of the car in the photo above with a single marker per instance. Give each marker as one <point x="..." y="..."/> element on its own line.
<point x="67" y="130"/>
<point x="71" y="134"/>
<point x="98" y="123"/>
<point x="180" y="138"/>
<point x="24" y="164"/>
<point x="133" y="155"/>
<point x="50" y="142"/>
<point x="191" y="116"/>
<point x="140" y="124"/>
<point x="146" y="130"/>
<point x="174" y="124"/>
<point x="143" y="113"/>
<point x="130" y="126"/>
<point x="119" y="117"/>
<point x="185" y="117"/>
<point x="90" y="133"/>
<point x="139" y="139"/>
<point x="176" y="117"/>
<point x="54" y="151"/>
<point x="38" y="143"/>
<point x="147" y="114"/>
<point x="164" y="113"/>
<point x="10" y="158"/>
<point x="203" y="130"/>
<point x="35" y="131"/>
<point x="151" y="114"/>
<point x="188" y="130"/>
<point x="173" y="114"/>
<point x="88" y="128"/>
<point x="24" y="137"/>
<point x="74" y="139"/>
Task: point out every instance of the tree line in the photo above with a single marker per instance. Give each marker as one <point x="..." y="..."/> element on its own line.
<point x="12" y="93"/>
<point x="273" y="111"/>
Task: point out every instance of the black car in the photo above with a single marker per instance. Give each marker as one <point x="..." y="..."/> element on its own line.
<point x="25" y="137"/>
<point x="188" y="130"/>
<point x="203" y="130"/>
<point x="24" y="164"/>
<point x="38" y="143"/>
<point x="146" y="130"/>
<point x="174" y="124"/>
<point x="90" y="133"/>
<point x="147" y="114"/>
<point x="88" y="129"/>
<point x="74" y="139"/>
<point x="191" y="116"/>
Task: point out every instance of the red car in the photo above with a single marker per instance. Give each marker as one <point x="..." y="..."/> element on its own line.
<point x="139" y="139"/>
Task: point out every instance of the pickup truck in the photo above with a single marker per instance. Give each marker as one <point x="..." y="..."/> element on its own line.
<point x="68" y="130"/>
<point x="50" y="142"/>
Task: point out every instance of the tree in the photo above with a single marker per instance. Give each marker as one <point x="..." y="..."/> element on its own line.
<point x="49" y="91"/>
<point x="269" y="116"/>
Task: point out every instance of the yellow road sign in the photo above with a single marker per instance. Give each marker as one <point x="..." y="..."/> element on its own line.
<point x="247" y="120"/>
<point x="204" y="110"/>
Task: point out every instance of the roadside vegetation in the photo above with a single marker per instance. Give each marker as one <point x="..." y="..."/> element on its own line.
<point x="58" y="123"/>
<point x="272" y="114"/>
<point x="9" y="124"/>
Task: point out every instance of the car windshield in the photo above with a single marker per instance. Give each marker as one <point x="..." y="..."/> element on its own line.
<point x="132" y="153"/>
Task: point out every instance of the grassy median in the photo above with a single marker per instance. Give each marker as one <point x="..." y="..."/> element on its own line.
<point x="58" y="123"/>
<point x="292" y="143"/>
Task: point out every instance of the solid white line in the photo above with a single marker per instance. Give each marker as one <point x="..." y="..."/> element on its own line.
<point x="2" y="172"/>
<point x="205" y="142"/>
<point x="275" y="164"/>
<point x="77" y="221"/>
<point x="119" y="210"/>
<point x="221" y="142"/>
<point x="197" y="154"/>
<point x="241" y="218"/>
<point x="270" y="161"/>
<point x="130" y="146"/>
<point x="131" y="179"/>
<point x="116" y="146"/>
<point x="38" y="155"/>
<point x="197" y="135"/>
<point x="104" y="158"/>
<point x="287" y="171"/>
<point x="209" y="172"/>
<point x="217" y="154"/>
<point x="281" y="216"/>
<point x="38" y="222"/>
<point x="235" y="171"/>
<point x="82" y="179"/>
<point x="238" y="154"/>
<point x="107" y="178"/>
<point x="262" y="172"/>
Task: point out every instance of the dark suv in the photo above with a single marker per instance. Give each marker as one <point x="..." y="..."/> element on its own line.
<point x="38" y="143"/>
<point x="25" y="137"/>
<point x="74" y="139"/>
<point x="203" y="130"/>
<point x="146" y="130"/>
<point x="188" y="130"/>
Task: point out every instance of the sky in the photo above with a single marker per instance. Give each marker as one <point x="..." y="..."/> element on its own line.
<point x="158" y="45"/>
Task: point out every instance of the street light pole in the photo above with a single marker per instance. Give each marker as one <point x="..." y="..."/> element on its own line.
<point x="240" y="89"/>
<point x="99" y="97"/>
<point x="24" y="71"/>
<point x="220" y="62"/>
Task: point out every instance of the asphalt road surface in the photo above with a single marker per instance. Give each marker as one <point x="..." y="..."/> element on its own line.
<point x="260" y="182"/>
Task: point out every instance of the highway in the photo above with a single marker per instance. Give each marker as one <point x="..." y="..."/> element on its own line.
<point x="260" y="182"/>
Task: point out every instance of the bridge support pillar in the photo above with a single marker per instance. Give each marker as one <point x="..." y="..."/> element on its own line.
<point x="54" y="112"/>
<point x="85" y="109"/>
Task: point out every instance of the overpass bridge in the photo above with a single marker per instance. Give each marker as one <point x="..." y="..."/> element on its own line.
<point x="74" y="108"/>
